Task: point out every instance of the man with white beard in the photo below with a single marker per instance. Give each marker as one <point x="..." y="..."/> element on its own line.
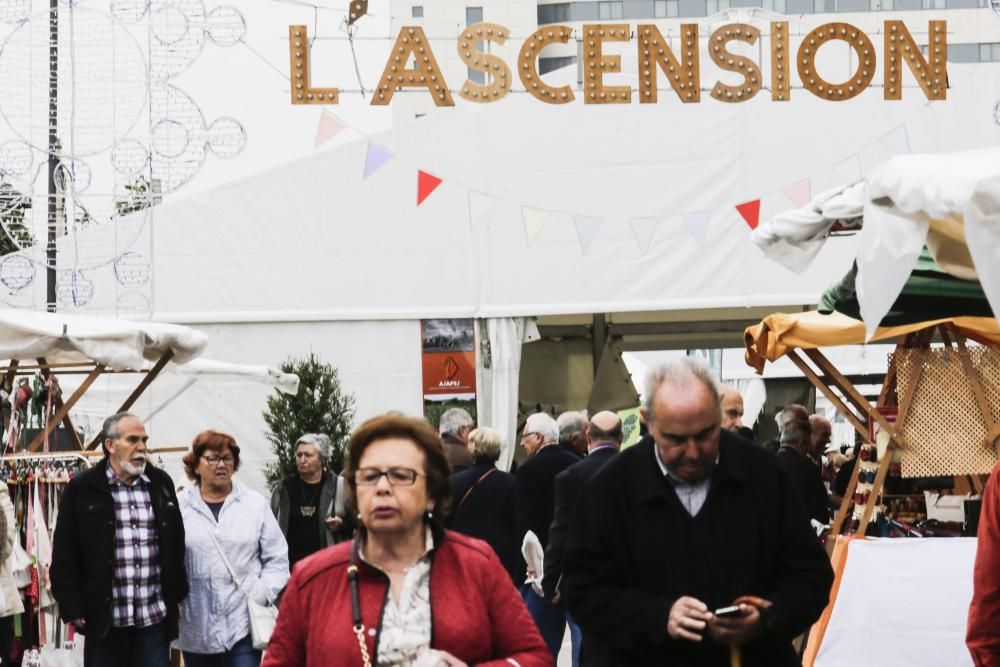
<point x="118" y="569"/>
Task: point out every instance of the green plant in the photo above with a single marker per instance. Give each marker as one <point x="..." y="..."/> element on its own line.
<point x="320" y="406"/>
<point x="13" y="208"/>
<point x="138" y="195"/>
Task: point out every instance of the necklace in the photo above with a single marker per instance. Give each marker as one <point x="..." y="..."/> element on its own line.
<point x="308" y="506"/>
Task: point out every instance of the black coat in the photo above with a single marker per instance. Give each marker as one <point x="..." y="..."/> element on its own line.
<point x="536" y="489"/>
<point x="633" y="550"/>
<point x="489" y="513"/>
<point x="568" y="486"/>
<point x="83" y="550"/>
<point x="808" y="480"/>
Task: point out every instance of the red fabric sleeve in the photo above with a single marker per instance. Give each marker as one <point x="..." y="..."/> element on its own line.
<point x="983" y="633"/>
<point x="287" y="647"/>
<point x="515" y="635"/>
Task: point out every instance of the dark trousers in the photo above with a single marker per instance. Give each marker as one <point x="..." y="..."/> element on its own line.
<point x="129" y="647"/>
<point x="550" y="619"/>
<point x="240" y="655"/>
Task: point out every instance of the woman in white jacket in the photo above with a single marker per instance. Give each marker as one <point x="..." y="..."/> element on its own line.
<point x="10" y="597"/>
<point x="215" y="624"/>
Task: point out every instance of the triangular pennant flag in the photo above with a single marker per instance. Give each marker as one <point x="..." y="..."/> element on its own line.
<point x="849" y="170"/>
<point x="586" y="230"/>
<point x="642" y="230"/>
<point x="750" y="210"/>
<point x="697" y="225"/>
<point x="898" y="141"/>
<point x="799" y="193"/>
<point x="534" y="220"/>
<point x="426" y="184"/>
<point x="479" y="206"/>
<point x="375" y="158"/>
<point x="329" y="127"/>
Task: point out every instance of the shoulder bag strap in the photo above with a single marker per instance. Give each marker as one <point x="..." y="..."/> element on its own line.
<point x="218" y="545"/>
<point x="474" y="485"/>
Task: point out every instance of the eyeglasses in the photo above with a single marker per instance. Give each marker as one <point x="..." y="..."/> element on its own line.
<point x="528" y="433"/>
<point x="396" y="476"/>
<point x="215" y="460"/>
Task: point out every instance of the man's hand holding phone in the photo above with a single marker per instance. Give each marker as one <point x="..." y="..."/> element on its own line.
<point x="735" y="625"/>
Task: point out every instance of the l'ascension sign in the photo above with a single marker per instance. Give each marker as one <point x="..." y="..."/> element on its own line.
<point x="655" y="57"/>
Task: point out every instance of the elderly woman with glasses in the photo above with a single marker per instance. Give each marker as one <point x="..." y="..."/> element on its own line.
<point x="227" y="526"/>
<point x="404" y="591"/>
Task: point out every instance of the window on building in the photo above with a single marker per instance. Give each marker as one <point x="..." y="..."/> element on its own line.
<point x="474" y="15"/>
<point x="557" y="13"/>
<point x="417" y="12"/>
<point x="715" y="6"/>
<point x="664" y="9"/>
<point x="610" y="10"/>
<point x="775" y="5"/>
<point x="933" y="4"/>
<point x="881" y="5"/>
<point x="546" y="65"/>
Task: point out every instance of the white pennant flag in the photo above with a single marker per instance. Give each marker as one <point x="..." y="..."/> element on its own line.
<point x="479" y="206"/>
<point x="898" y="141"/>
<point x="849" y="170"/>
<point x="586" y="230"/>
<point x="534" y="219"/>
<point x="643" y="230"/>
<point x="697" y="225"/>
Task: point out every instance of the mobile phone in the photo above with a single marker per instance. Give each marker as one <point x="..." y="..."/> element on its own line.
<point x="727" y="612"/>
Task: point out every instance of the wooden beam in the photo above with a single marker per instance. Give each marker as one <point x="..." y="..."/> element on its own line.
<point x="977" y="388"/>
<point x="67" y="406"/>
<point x="137" y="392"/>
<point x="57" y="401"/>
<point x="883" y="469"/>
<point x="849" y="390"/>
<point x="833" y="398"/>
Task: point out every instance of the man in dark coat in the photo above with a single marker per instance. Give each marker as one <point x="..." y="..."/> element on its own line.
<point x="604" y="438"/>
<point x="685" y="522"/>
<point x="484" y="502"/>
<point x="535" y="506"/>
<point x="118" y="554"/>
<point x="455" y="426"/>
<point x="796" y="444"/>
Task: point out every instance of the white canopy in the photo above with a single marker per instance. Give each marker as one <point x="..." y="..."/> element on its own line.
<point x="118" y="344"/>
<point x="949" y="202"/>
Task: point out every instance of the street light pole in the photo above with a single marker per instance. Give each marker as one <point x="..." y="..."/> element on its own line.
<point x="50" y="248"/>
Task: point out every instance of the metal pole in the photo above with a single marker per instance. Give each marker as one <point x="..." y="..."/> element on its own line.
<point x="50" y="248"/>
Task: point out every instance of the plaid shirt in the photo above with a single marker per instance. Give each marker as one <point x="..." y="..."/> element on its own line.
<point x="136" y="598"/>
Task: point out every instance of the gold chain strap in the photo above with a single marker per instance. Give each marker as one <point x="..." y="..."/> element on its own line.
<point x="359" y="632"/>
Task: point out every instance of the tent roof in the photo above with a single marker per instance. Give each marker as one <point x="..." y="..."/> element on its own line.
<point x="777" y="334"/>
<point x="117" y="344"/>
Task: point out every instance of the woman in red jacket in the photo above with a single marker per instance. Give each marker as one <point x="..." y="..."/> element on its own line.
<point x="404" y="591"/>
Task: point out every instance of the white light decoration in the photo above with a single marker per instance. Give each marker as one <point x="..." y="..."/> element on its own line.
<point x="126" y="132"/>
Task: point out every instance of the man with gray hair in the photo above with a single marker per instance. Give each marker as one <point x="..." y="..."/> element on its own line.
<point x="535" y="506"/>
<point x="455" y="426"/>
<point x="795" y="445"/>
<point x="573" y="426"/>
<point x="690" y="546"/>
<point x="310" y="505"/>
<point x="118" y="569"/>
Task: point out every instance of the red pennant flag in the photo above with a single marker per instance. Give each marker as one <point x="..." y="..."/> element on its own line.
<point x="750" y="210"/>
<point x="426" y="184"/>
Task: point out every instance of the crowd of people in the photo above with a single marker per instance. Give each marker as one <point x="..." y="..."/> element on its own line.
<point x="692" y="547"/>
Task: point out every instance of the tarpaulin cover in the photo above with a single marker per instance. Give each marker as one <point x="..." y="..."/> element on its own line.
<point x="781" y="332"/>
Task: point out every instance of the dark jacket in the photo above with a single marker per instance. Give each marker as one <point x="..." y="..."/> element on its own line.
<point x="457" y="452"/>
<point x="332" y="501"/>
<point x="569" y="484"/>
<point x="633" y="550"/>
<point x="489" y="513"/>
<point x="476" y="614"/>
<point x="536" y="489"/>
<point x="83" y="550"/>
<point x="808" y="481"/>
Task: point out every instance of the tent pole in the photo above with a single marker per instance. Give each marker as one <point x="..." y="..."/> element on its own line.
<point x="64" y="410"/>
<point x="134" y="396"/>
<point x="57" y="401"/>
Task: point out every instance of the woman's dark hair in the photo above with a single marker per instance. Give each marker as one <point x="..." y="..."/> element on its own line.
<point x="418" y="431"/>
<point x="215" y="441"/>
